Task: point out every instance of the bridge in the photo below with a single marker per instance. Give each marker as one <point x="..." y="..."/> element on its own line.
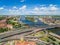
<point x="16" y="34"/>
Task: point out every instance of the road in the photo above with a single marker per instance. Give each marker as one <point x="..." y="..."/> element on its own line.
<point x="55" y="35"/>
<point x="35" y="40"/>
<point x="24" y="35"/>
<point x="16" y="33"/>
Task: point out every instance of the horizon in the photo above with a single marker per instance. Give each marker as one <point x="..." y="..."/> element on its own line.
<point x="29" y="15"/>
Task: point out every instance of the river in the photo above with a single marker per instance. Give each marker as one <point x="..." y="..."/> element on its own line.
<point x="30" y="23"/>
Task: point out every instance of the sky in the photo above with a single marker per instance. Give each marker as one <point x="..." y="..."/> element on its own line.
<point x="29" y="7"/>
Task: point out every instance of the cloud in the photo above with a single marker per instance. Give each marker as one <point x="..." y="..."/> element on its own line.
<point x="46" y="10"/>
<point x="1" y="8"/>
<point x="14" y="7"/>
<point x="23" y="7"/>
<point x="13" y="12"/>
<point x="42" y="10"/>
<point x="17" y="11"/>
<point x="50" y="7"/>
<point x="22" y="0"/>
<point x="53" y="7"/>
<point x="36" y="9"/>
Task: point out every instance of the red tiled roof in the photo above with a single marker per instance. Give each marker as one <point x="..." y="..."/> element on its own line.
<point x="25" y="43"/>
<point x="3" y="25"/>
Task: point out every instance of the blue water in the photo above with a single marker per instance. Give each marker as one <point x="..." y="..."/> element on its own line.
<point x="56" y="31"/>
<point x="38" y="23"/>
